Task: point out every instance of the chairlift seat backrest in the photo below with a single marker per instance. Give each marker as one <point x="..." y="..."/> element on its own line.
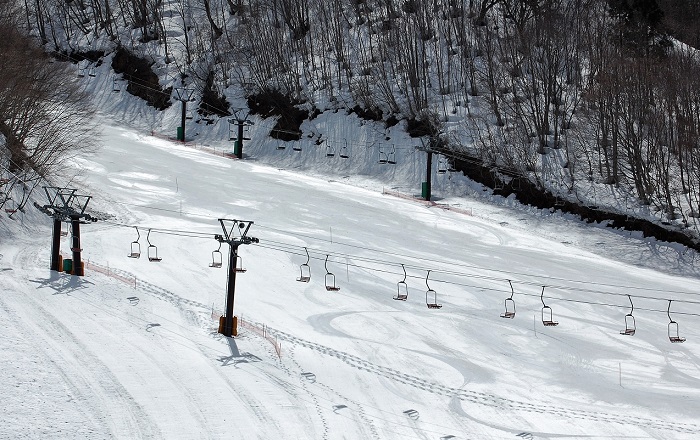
<point x="402" y="291"/>
<point x="547" y="317"/>
<point x="135" y="250"/>
<point x="510" y="309"/>
<point x="239" y="264"/>
<point x="630" y="327"/>
<point x="673" y="332"/>
<point x="391" y="157"/>
<point x="434" y="304"/>
<point x="330" y="283"/>
<point x="216" y="259"/>
<point x="305" y="273"/>
<point x="153" y="253"/>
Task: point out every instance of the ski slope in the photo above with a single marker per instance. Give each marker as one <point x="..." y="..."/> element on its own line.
<point x="131" y="349"/>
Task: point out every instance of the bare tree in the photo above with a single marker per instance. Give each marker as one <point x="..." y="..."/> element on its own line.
<point x="44" y="119"/>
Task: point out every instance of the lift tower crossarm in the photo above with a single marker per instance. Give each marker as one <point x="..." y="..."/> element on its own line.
<point x="234" y="236"/>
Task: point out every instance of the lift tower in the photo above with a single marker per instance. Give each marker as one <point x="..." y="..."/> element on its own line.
<point x="66" y="205"/>
<point x="235" y="235"/>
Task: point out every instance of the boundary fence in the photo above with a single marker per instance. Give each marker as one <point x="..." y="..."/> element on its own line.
<point x="429" y="203"/>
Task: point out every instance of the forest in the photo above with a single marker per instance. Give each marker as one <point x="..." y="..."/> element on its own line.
<point x="551" y="93"/>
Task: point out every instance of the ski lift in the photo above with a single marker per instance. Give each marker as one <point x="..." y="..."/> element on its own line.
<point x="344" y="151"/>
<point x="91" y="72"/>
<point x="12" y="208"/>
<point x="135" y="246"/>
<point x="239" y="264"/>
<point x="428" y="293"/>
<point x="217" y="258"/>
<point x="81" y="72"/>
<point x="116" y="85"/>
<point x="516" y="184"/>
<point x="280" y="145"/>
<point x="152" y="249"/>
<point x="630" y="326"/>
<point x="383" y="157"/>
<point x="75" y="241"/>
<point x="441" y="166"/>
<point x="546" y="313"/>
<point x="305" y="269"/>
<point x="497" y="181"/>
<point x="391" y="157"/>
<point x="330" y="151"/>
<point x="509" y="304"/>
<point x="296" y="146"/>
<point x="673" y="327"/>
<point x="451" y="165"/>
<point x="189" y="114"/>
<point x="330" y="279"/>
<point x="558" y="200"/>
<point x="402" y="287"/>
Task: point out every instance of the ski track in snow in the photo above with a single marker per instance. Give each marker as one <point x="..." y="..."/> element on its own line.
<point x="485" y="399"/>
<point x="84" y="371"/>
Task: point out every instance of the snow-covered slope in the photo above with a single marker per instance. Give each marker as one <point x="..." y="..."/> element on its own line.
<point x="131" y="349"/>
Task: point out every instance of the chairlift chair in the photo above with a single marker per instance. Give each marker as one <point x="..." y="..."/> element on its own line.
<point x="152" y="249"/>
<point x="135" y="246"/>
<point x="430" y="292"/>
<point x="383" y="157"/>
<point x="391" y="157"/>
<point x="451" y="166"/>
<point x="91" y="72"/>
<point x="75" y="242"/>
<point x="558" y="200"/>
<point x="280" y="145"/>
<point x="402" y="287"/>
<point x="217" y="259"/>
<point x="441" y="167"/>
<point x="509" y="304"/>
<point x="239" y="264"/>
<point x="12" y="208"/>
<point x="497" y="181"/>
<point x="116" y="86"/>
<point x="673" y="327"/>
<point x="546" y="313"/>
<point x="305" y="269"/>
<point x="296" y="146"/>
<point x="344" y="154"/>
<point x="630" y="325"/>
<point x="330" y="279"/>
<point x="516" y="184"/>
<point x="330" y="151"/>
